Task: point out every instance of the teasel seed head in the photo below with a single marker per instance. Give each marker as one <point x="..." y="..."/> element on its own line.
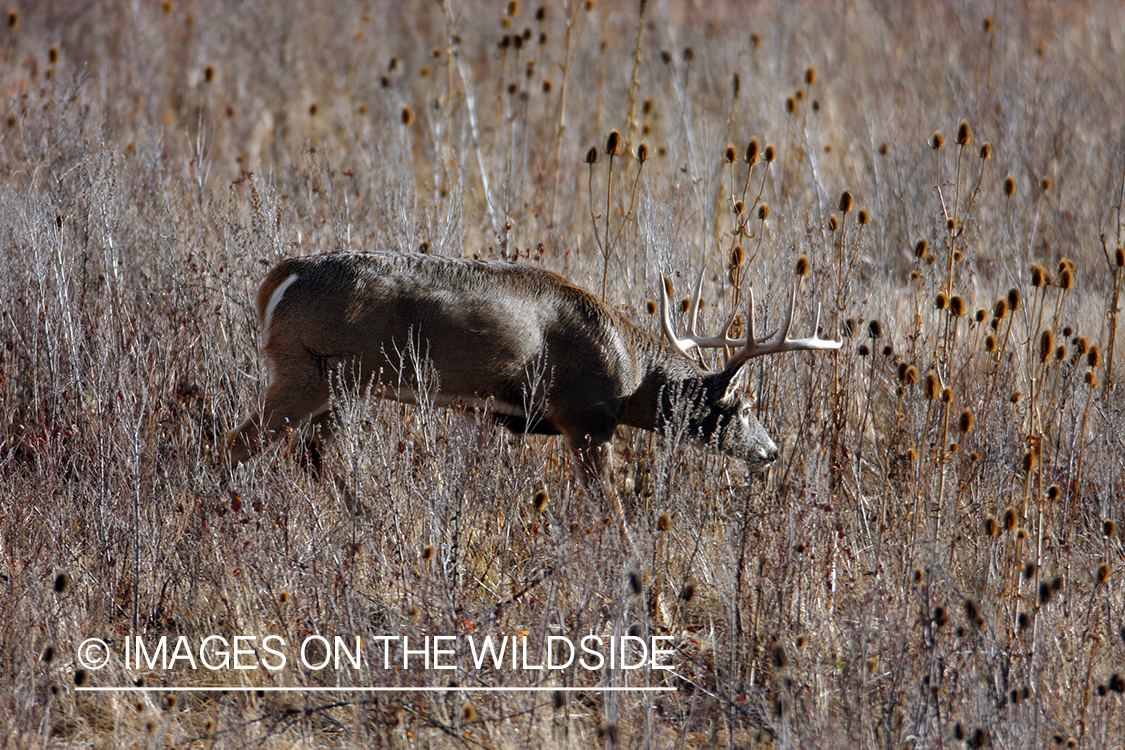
<point x="739" y="207"/>
<point x="1109" y="528"/>
<point x="932" y="386"/>
<point x="687" y="592"/>
<point x="947" y="395"/>
<point x="1119" y="256"/>
<point x="1066" y="279"/>
<point x="1030" y="462"/>
<point x="964" y="135"/>
<point x="428" y="552"/>
<point x="910" y="376"/>
<point x="642" y="153"/>
<point x="863" y="217"/>
<point x="937" y="140"/>
<point x="985" y="152"/>
<point x="990" y="343"/>
<point x="764" y="211"/>
<point x="991" y="528"/>
<point x="1102" y="573"/>
<point x="921" y="247"/>
<point x="753" y="152"/>
<point x="730" y="156"/>
<point x="1009" y="186"/>
<point x="810" y="76"/>
<point x="737" y="257"/>
<point x="980" y="315"/>
<point x="803" y="266"/>
<point x="407" y="115"/>
<point x="874" y="329"/>
<point x="1060" y="353"/>
<point x="614" y="145"/>
<point x="1010" y="518"/>
<point x="539" y="500"/>
<point x="1000" y="309"/>
<point x="957" y="305"/>
<point x="967" y="421"/>
<point x="790" y="105"/>
<point x="1040" y="276"/>
<point x="651" y="307"/>
<point x="1045" y="184"/>
<point x="1094" y="356"/>
<point x="1046" y="346"/>
<point x="847" y="202"/>
<point x="833" y="223"/>
<point x="941" y="302"/>
<point x="1091" y="379"/>
<point x="1081" y="346"/>
<point x="1015" y="397"/>
<point x="1014" y="299"/>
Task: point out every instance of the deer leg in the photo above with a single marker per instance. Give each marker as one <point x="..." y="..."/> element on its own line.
<point x="292" y="398"/>
<point x="595" y="464"/>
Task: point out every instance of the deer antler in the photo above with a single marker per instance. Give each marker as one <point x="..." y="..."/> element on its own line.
<point x="750" y="346"/>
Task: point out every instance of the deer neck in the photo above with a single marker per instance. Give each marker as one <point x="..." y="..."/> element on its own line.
<point x="661" y="371"/>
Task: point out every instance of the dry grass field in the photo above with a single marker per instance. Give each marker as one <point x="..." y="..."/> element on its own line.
<point x="934" y="561"/>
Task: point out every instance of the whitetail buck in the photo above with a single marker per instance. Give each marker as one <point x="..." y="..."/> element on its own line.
<point x="538" y="353"/>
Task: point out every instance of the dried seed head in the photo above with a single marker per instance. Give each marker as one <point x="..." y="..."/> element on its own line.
<point x="957" y="305"/>
<point x="980" y="315"/>
<point x="1010" y="519"/>
<point x="1109" y="528"/>
<point x="967" y="420"/>
<point x="739" y="207"/>
<point x="874" y="329"/>
<point x="1094" y="356"/>
<point x="1091" y="379"/>
<point x="972" y="612"/>
<point x="1053" y="492"/>
<point x="921" y="247"/>
<point x="1030" y="462"/>
<point x="1060" y="353"/>
<point x="730" y="156"/>
<point x="803" y="265"/>
<point x="991" y="528"/>
<point x="1119" y="256"/>
<point x="932" y="386"/>
<point x="1101" y="575"/>
<point x="863" y="217"/>
<point x="539" y="499"/>
<point x="591" y="155"/>
<point x="1014" y="299"/>
<point x="469" y="713"/>
<point x="770" y="154"/>
<point x="650" y="307"/>
<point x="937" y="141"/>
<point x="847" y="202"/>
<point x="62" y="583"/>
<point x="753" y="152"/>
<point x="1000" y="309"/>
<point x="664" y="523"/>
<point x="810" y="76"/>
<point x="790" y="105"/>
<point x="614" y="145"/>
<point x="687" y="592"/>
<point x="764" y="211"/>
<point x="947" y="395"/>
<point x="833" y="223"/>
<point x="642" y="153"/>
<point x="964" y="135"/>
<point x="1040" y="276"/>
<point x="1009" y="186"/>
<point x="737" y="256"/>
<point x="985" y="151"/>
<point x="407" y="115"/>
<point x="1045" y="184"/>
<point x="1046" y="346"/>
<point x="636" y="582"/>
<point x="283" y="597"/>
<point x="1081" y="346"/>
<point x="910" y="377"/>
<point x="1015" y="397"/>
<point x="1066" y="279"/>
<point x="863" y="351"/>
<point x="428" y="552"/>
<point x="780" y="660"/>
<point x="941" y="301"/>
<point x="990" y="343"/>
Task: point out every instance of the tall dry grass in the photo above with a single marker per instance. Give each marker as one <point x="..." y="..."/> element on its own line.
<point x="934" y="561"/>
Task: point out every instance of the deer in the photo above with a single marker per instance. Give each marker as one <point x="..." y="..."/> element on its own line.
<point x="485" y="328"/>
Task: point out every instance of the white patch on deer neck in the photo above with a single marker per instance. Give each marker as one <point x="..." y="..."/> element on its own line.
<point x="274" y="299"/>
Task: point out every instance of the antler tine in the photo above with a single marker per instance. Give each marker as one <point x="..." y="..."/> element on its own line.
<point x="680" y="345"/>
<point x="779" y="342"/>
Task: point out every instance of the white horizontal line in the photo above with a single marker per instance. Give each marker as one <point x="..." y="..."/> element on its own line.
<point x="244" y="689"/>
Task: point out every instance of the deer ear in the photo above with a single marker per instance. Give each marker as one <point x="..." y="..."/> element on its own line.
<point x="726" y="381"/>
